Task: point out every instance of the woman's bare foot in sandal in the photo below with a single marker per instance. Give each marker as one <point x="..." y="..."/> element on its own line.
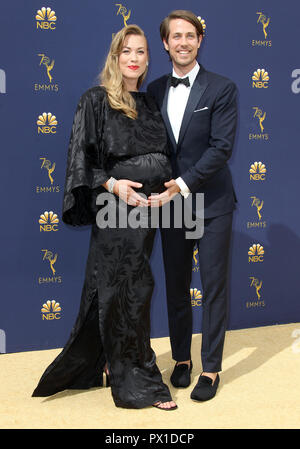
<point x="165" y="405"/>
<point x="106" y="369"/>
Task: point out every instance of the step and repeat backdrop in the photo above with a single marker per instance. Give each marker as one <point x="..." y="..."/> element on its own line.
<point x="50" y="53"/>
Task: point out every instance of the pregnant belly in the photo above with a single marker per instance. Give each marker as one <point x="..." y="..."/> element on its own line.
<point x="151" y="170"/>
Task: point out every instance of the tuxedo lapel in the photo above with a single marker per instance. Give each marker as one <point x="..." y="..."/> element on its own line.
<point x="164" y="113"/>
<point x="197" y="90"/>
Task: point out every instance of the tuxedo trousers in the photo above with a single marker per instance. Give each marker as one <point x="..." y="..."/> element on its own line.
<point x="213" y="251"/>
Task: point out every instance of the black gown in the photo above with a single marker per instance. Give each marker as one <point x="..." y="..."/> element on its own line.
<point x="113" y="323"/>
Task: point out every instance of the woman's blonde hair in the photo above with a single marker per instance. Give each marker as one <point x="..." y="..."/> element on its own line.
<point x="111" y="76"/>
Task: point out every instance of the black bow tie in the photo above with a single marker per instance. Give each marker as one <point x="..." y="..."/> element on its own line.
<point x="176" y="81"/>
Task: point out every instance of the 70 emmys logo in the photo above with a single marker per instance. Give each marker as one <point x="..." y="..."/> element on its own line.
<point x="258" y="302"/>
<point x="260" y="116"/>
<point x="265" y="22"/>
<point x="258" y="204"/>
<point x="45" y="19"/>
<point x="124" y="13"/>
<point x="52" y="259"/>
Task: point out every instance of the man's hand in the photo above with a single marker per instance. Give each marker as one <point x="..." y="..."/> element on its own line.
<point x="166" y="196"/>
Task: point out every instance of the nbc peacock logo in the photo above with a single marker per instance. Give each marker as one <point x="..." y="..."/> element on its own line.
<point x="51" y="310"/>
<point x="257" y="171"/>
<point x="47" y="123"/>
<point x="48" y="221"/>
<point x="196" y="297"/>
<point x="45" y="19"/>
<point x="256" y="253"/>
<point x="260" y="79"/>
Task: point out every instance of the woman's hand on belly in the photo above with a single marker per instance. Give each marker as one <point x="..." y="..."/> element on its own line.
<point x="124" y="189"/>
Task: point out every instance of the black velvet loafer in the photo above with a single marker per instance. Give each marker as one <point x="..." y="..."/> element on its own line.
<point x="205" y="389"/>
<point x="181" y="376"/>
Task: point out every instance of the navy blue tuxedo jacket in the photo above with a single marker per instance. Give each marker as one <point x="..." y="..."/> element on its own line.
<point x="206" y="138"/>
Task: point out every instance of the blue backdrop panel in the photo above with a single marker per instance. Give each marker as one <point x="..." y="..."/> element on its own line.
<point x="50" y="53"/>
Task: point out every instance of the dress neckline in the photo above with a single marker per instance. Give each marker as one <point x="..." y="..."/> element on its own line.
<point x="135" y="92"/>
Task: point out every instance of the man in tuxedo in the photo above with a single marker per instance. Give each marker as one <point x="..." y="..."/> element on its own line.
<point x="200" y="113"/>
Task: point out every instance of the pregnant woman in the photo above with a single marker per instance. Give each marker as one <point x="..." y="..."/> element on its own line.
<point x="118" y="146"/>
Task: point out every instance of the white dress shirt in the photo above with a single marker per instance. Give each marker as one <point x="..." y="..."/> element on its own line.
<point x="177" y="101"/>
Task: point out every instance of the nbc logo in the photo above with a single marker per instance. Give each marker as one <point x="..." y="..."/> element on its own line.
<point x="48" y="222"/>
<point x="257" y="171"/>
<point x="45" y="19"/>
<point x="196" y="297"/>
<point x="255" y="253"/>
<point x="47" y="123"/>
<point x="50" y="310"/>
<point x="260" y="79"/>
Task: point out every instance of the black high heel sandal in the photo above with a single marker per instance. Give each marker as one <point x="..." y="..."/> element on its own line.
<point x="157" y="404"/>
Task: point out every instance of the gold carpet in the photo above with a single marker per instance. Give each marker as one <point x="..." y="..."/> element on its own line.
<point x="259" y="388"/>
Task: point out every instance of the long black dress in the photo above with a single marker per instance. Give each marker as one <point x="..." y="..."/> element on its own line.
<point x="113" y="324"/>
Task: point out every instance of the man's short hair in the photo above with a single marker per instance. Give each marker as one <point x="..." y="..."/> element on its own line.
<point x="180" y="14"/>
